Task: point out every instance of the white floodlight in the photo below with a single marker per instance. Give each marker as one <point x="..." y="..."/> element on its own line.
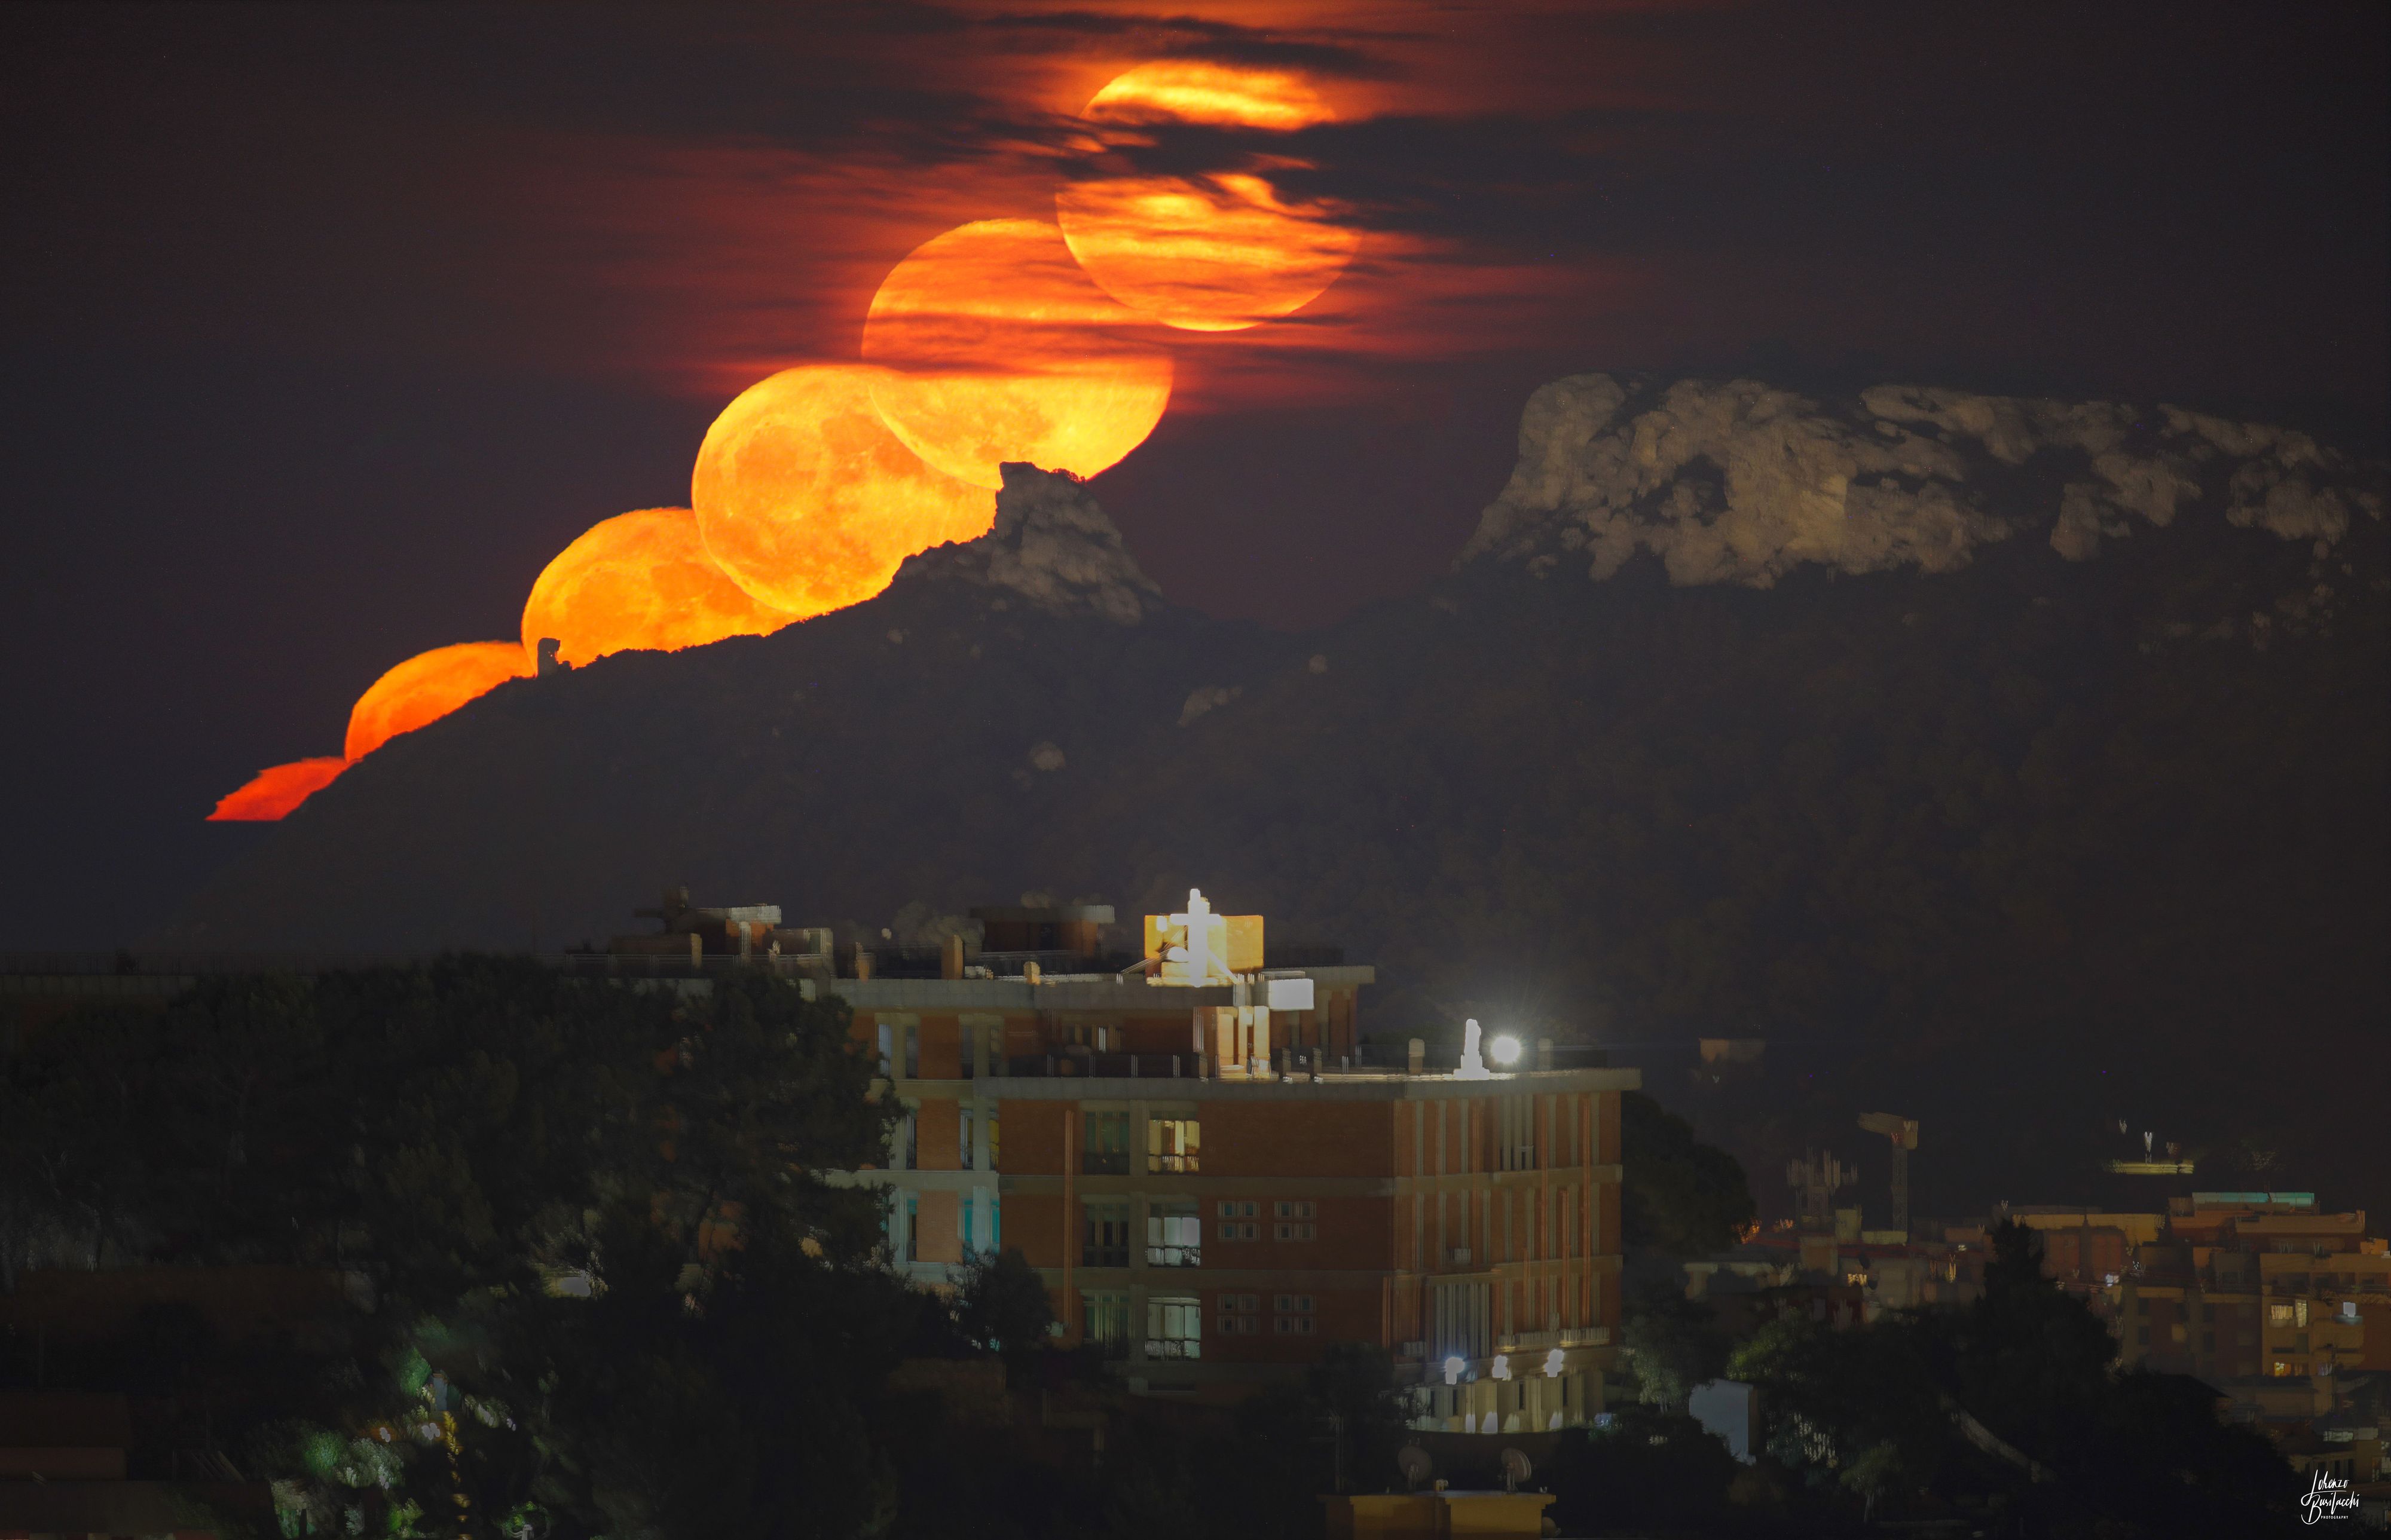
<point x="1453" y="1367"/>
<point x="1554" y="1361"/>
<point x="1505" y="1050"/>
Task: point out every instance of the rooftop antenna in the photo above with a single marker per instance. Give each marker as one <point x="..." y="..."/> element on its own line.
<point x="1814" y="1180"/>
<point x="1902" y="1132"/>
<point x="1416" y="1465"/>
<point x="1517" y="1468"/>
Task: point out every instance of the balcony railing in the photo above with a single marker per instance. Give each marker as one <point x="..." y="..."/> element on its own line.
<point x="1104" y="1162"/>
<point x="1173" y="1347"/>
<point x="1188" y="1164"/>
<point x="1541" y="1341"/>
<point x="1075" y="1061"/>
<point x="1174" y="1256"/>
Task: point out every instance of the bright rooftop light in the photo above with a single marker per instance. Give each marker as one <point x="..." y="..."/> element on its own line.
<point x="1503" y="1050"/>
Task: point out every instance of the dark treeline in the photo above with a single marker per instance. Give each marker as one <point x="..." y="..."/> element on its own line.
<point x="601" y="1290"/>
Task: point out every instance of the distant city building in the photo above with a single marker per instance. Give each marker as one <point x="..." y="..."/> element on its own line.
<point x="2237" y="1286"/>
<point x="2284" y="1308"/>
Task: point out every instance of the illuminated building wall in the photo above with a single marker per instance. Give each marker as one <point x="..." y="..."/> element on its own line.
<point x="1215" y="1189"/>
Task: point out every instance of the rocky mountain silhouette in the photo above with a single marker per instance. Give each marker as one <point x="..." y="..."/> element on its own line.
<point x="2030" y="755"/>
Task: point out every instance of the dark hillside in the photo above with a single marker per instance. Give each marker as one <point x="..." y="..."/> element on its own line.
<point x="2037" y="796"/>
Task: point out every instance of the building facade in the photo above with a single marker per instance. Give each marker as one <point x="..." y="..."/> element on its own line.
<point x="1215" y="1186"/>
<point x="2259" y="1291"/>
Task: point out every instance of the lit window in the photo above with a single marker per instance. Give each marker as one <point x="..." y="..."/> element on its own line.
<point x="1174" y="1235"/>
<point x="1173" y="1146"/>
<point x="1174" y="1328"/>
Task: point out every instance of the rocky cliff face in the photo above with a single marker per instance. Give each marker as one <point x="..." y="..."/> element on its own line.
<point x="1051" y="549"/>
<point x="1745" y="714"/>
<point x="1740" y="482"/>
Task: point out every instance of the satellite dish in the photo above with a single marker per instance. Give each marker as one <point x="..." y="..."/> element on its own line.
<point x="1415" y="1464"/>
<point x="1517" y="1468"/>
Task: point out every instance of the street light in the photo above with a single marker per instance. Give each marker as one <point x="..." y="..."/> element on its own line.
<point x="1505" y="1050"/>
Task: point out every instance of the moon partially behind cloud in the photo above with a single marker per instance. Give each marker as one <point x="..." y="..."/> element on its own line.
<point x="1214" y="252"/>
<point x="808" y="501"/>
<point x="427" y="688"/>
<point x="995" y="346"/>
<point x="639" y="581"/>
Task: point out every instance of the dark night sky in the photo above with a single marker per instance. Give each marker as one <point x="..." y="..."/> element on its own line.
<point x="325" y="327"/>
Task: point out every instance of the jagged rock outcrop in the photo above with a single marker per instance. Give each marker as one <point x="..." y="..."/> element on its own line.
<point x="1998" y="830"/>
<point x="1053" y="547"/>
<point x="1742" y="483"/>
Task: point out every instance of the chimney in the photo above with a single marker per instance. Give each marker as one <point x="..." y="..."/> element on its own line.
<point x="1418" y="1063"/>
<point x="1544" y="1053"/>
<point x="696" y="948"/>
<point x="950" y="958"/>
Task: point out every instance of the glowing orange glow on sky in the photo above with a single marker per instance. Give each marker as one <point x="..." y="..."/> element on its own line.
<point x="997" y="347"/>
<point x="808" y="501"/>
<point x="638" y="581"/>
<point x="1192" y="91"/>
<point x="427" y="688"/>
<point x="1211" y="253"/>
<point x="1002" y="339"/>
<point x="275" y="791"/>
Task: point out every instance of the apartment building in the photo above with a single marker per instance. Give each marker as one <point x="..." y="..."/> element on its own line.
<point x="1196" y="1152"/>
<point x="2258" y="1292"/>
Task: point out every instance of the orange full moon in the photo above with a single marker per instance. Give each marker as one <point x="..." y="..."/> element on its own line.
<point x="1211" y="253"/>
<point x="807" y="500"/>
<point x="997" y="347"/>
<point x="639" y="581"/>
<point x="276" y="790"/>
<point x="427" y="688"/>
